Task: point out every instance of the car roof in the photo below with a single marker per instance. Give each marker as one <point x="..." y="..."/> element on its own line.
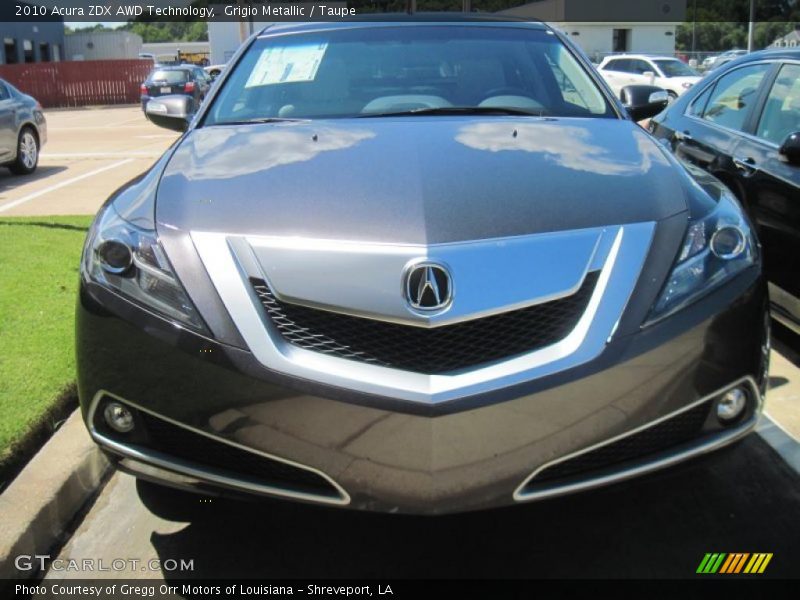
<point x="772" y="53"/>
<point x="389" y="19"/>
<point x="646" y="56"/>
<point x="768" y="54"/>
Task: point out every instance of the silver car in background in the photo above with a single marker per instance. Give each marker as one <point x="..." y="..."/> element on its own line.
<point x="23" y="130"/>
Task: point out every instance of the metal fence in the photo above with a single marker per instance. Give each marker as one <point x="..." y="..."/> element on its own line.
<point x="79" y="83"/>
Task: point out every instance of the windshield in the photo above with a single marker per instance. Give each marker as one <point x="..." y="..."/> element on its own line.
<point x="171" y="76"/>
<point x="675" y="68"/>
<point x="376" y="70"/>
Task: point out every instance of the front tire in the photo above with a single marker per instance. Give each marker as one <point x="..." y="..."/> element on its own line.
<point x="27" y="153"/>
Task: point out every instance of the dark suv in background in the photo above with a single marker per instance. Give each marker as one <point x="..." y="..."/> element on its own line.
<point x="742" y="124"/>
<point x="185" y="79"/>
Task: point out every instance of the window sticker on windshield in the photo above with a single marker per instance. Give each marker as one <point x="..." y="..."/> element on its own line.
<point x="287" y="64"/>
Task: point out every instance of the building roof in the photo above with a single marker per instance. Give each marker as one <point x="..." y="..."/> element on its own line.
<point x="790" y="39"/>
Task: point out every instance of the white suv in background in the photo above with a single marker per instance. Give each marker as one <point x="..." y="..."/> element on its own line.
<point x="666" y="72"/>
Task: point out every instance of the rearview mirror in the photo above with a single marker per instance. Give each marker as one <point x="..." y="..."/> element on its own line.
<point x="171" y="112"/>
<point x="643" y="101"/>
<point x="790" y="149"/>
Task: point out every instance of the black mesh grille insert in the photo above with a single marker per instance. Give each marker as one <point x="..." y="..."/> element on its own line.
<point x="434" y="350"/>
<point x="672" y="432"/>
<point x="192" y="447"/>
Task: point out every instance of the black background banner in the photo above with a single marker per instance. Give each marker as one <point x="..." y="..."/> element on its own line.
<point x="463" y="589"/>
<point x="268" y="10"/>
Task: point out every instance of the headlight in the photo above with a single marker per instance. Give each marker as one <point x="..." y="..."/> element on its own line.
<point x="716" y="247"/>
<point x="131" y="261"/>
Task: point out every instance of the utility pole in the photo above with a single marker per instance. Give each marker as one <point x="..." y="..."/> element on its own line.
<point x="751" y="26"/>
<point x="694" y="27"/>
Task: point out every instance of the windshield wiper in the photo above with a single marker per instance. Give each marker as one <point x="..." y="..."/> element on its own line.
<point x="459" y="110"/>
<point x="259" y="120"/>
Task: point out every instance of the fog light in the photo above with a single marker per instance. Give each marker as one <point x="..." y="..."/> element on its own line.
<point x="731" y="405"/>
<point x="118" y="417"/>
<point x="728" y="242"/>
<point x="115" y="256"/>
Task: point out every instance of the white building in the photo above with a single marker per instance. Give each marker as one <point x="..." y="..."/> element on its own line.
<point x="225" y="37"/>
<point x="790" y="40"/>
<point x="102" y="45"/>
<point x="602" y="28"/>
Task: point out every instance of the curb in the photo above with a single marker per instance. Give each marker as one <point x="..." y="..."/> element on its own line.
<point x="39" y="505"/>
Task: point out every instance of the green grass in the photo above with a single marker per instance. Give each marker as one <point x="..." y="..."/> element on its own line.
<point x="39" y="259"/>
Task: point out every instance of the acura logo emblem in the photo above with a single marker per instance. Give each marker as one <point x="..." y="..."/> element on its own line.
<point x="428" y="287"/>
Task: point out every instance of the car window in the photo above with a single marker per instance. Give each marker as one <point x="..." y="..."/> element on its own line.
<point x="4" y="94"/>
<point x="675" y="68"/>
<point x="618" y="64"/>
<point x="641" y="66"/>
<point x="698" y="105"/>
<point x="378" y="70"/>
<point x="734" y="95"/>
<point x="781" y="114"/>
<point x="169" y="75"/>
<point x="575" y="87"/>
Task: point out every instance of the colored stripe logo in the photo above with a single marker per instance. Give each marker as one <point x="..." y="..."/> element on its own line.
<point x="734" y="563"/>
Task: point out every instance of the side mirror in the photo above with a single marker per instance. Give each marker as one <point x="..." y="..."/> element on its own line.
<point x="643" y="101"/>
<point x="790" y="149"/>
<point x="171" y="112"/>
<point x="650" y="75"/>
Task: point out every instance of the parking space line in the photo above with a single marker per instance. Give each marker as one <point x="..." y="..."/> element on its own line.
<point x="62" y="184"/>
<point x="132" y="153"/>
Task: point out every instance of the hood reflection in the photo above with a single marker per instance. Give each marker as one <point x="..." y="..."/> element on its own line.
<point x="569" y="146"/>
<point x="227" y="152"/>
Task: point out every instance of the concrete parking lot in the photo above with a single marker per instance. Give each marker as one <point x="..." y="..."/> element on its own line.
<point x="743" y="499"/>
<point x="88" y="155"/>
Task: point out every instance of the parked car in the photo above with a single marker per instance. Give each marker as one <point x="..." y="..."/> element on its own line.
<point x="184" y="79"/>
<point x="743" y="126"/>
<point x="417" y="267"/>
<point x="23" y="130"/>
<point x="725" y="58"/>
<point x="665" y="72"/>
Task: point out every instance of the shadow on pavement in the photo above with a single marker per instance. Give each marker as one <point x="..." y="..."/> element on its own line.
<point x="742" y="499"/>
<point x="9" y="181"/>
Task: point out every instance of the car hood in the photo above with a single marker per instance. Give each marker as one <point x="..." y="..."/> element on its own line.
<point x="418" y="179"/>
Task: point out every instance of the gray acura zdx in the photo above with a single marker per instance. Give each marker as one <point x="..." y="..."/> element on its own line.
<point x="417" y="267"/>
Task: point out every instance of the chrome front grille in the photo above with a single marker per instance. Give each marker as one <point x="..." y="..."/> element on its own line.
<point x="427" y="350"/>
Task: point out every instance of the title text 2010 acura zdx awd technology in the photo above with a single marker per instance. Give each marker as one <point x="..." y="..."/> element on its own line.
<point x="419" y="267"/>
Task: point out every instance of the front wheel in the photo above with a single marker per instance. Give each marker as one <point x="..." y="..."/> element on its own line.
<point x="27" y="153"/>
<point x="671" y="96"/>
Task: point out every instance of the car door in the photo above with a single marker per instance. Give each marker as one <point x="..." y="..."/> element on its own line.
<point x="707" y="134"/>
<point x="615" y="72"/>
<point x="640" y="72"/>
<point x="771" y="186"/>
<point x="8" y="124"/>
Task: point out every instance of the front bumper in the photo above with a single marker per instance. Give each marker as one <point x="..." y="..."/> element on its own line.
<point x="370" y="453"/>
